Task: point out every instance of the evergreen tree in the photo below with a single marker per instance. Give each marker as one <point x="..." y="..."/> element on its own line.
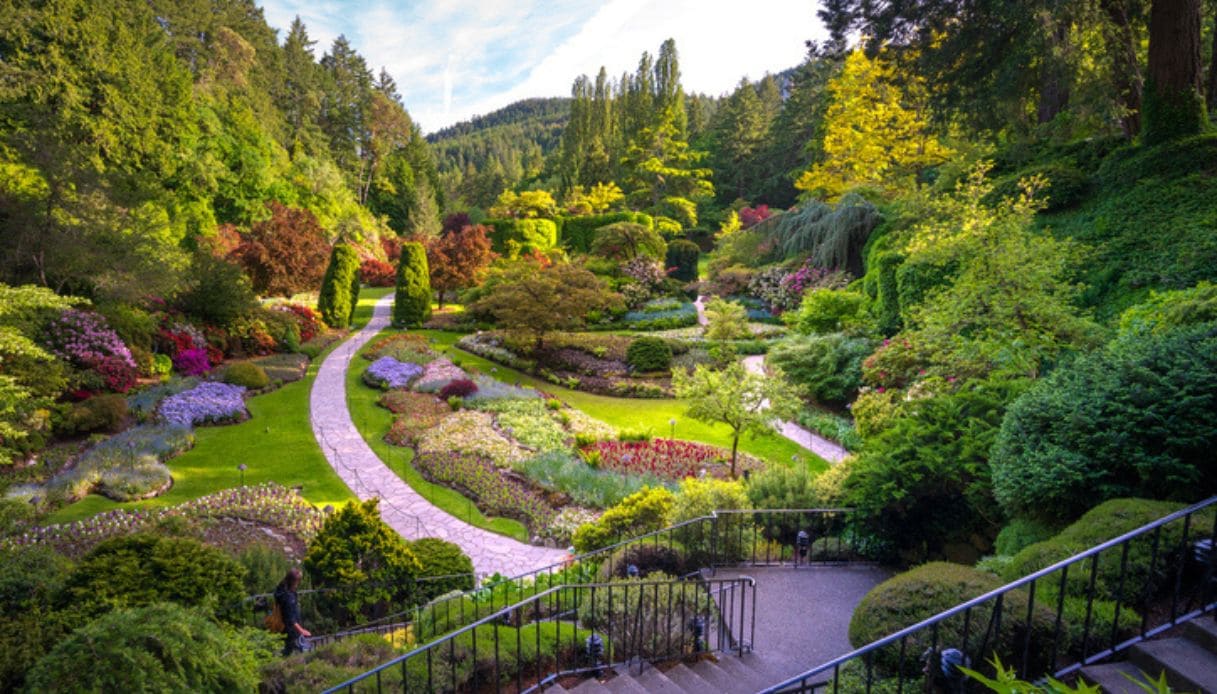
<point x="346" y="106"/>
<point x="300" y="96"/>
<point x="412" y="301"/>
<point x="337" y="301"/>
<point x="741" y="125"/>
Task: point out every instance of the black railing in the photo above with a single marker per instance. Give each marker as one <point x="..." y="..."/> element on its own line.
<point x="573" y="630"/>
<point x="760" y="537"/>
<point x="1055" y="621"/>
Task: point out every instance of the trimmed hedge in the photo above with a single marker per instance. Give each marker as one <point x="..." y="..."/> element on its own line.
<point x="682" y="258"/>
<point x="412" y="302"/>
<point x="340" y="287"/>
<point x="578" y="233"/>
<point x="511" y="237"/>
<point x="649" y="354"/>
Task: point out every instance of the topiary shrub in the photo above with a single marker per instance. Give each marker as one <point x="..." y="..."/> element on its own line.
<point x="828" y="366"/>
<point x="142" y="569"/>
<point x="887" y="299"/>
<point x="337" y="302"/>
<point x="681" y="260"/>
<point x="160" y="647"/>
<point x="98" y="413"/>
<point x="246" y="374"/>
<point x="927" y="590"/>
<point x="447" y="567"/>
<point x="412" y="302"/>
<point x="649" y="354"/>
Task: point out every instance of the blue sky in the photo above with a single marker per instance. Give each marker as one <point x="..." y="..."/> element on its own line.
<point x="454" y="59"/>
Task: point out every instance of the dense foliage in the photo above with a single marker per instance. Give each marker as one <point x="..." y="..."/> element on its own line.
<point x="340" y="287"/>
<point x="412" y="300"/>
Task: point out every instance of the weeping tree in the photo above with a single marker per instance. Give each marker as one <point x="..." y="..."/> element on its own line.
<point x="832" y="236"/>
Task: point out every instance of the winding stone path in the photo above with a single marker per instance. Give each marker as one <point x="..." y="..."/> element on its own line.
<point x="404" y="509"/>
<point x="831" y="451"/>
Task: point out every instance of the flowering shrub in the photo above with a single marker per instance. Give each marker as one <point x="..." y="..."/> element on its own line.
<point x="530" y="422"/>
<point x="584" y="426"/>
<point x="377" y="273"/>
<point x="460" y="388"/>
<point x="173" y="338"/>
<point x="562" y="528"/>
<point x="206" y="403"/>
<point x="794" y="284"/>
<point x="422" y="413"/>
<point x="493" y="493"/>
<point x="387" y="372"/>
<point x="438" y="374"/>
<point x="308" y="320"/>
<point x="751" y="216"/>
<point x="667" y="458"/>
<point x="268" y="504"/>
<point x="472" y="433"/>
<point x="192" y="362"/>
<point x="85" y="340"/>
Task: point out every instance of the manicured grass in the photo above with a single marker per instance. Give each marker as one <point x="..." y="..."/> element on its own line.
<point x="276" y="444"/>
<point x="373" y="421"/>
<point x="638" y="414"/>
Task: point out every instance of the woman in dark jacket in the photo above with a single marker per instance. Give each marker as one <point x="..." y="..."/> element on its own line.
<point x="289" y="606"/>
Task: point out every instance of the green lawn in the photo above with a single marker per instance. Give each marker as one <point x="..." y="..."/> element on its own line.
<point x="276" y="444"/>
<point x="373" y="421"/>
<point x="637" y="414"/>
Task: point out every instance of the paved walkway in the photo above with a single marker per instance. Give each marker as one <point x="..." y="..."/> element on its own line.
<point x="401" y="507"/>
<point x="831" y="451"/>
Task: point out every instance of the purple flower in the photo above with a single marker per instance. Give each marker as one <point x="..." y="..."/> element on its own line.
<point x="192" y="362"/>
<point x="208" y="402"/>
<point x="387" y="372"/>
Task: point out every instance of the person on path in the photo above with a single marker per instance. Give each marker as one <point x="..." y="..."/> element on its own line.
<point x="289" y="607"/>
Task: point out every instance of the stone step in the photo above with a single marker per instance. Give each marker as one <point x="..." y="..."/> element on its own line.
<point x="624" y="683"/>
<point x="719" y="679"/>
<point x="1188" y="666"/>
<point x="1112" y="679"/>
<point x="1203" y="631"/>
<point x="744" y="676"/>
<point x="588" y="686"/>
<point x="655" y="680"/>
<point x="689" y="680"/>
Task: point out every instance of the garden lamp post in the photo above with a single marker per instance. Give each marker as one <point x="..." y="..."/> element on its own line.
<point x="242" y="467"/>
<point x="595" y="650"/>
<point x="672" y="423"/>
<point x="803" y="541"/>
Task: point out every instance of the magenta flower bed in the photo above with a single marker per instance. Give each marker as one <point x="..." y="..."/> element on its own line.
<point x="674" y="460"/>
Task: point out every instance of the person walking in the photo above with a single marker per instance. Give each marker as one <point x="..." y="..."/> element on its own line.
<point x="289" y="606"/>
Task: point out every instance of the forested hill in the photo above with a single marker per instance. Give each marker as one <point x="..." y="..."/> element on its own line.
<point x="478" y="158"/>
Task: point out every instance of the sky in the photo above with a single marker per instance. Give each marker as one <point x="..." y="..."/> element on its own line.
<point x="454" y="59"/>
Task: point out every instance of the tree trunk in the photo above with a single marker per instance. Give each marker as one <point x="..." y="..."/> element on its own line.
<point x="1211" y="87"/>
<point x="1174" y="106"/>
<point x="1054" y="74"/>
<point x="1125" y="69"/>
<point x="734" y="453"/>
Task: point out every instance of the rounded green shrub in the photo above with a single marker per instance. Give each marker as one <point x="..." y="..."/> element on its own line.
<point x="141" y="569"/>
<point x="412" y="302"/>
<point x="246" y="374"/>
<point x="828" y="366"/>
<point x="1020" y="533"/>
<point x="340" y="287"/>
<point x="160" y="647"/>
<point x="99" y="413"/>
<point x="915" y="595"/>
<point x="641" y="512"/>
<point x="829" y="311"/>
<point x="682" y="258"/>
<point x="649" y="354"/>
<point x="445" y="567"/>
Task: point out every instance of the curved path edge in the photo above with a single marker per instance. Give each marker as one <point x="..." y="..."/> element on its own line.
<point x="404" y="509"/>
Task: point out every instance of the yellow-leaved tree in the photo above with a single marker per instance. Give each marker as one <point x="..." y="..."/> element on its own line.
<point x="876" y="132"/>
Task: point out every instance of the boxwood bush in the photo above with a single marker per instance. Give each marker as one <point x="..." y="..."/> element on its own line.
<point x="649" y="354"/>
<point x="246" y="374"/>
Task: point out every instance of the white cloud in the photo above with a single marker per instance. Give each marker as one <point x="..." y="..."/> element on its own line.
<point x="454" y="59"/>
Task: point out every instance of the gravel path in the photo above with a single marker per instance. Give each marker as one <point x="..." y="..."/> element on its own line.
<point x="826" y="449"/>
<point x="401" y="507"/>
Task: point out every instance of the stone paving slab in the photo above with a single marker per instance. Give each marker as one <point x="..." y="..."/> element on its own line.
<point x="404" y="509"/>
<point x="831" y="451"/>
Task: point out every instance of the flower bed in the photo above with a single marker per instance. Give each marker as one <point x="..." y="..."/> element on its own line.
<point x="493" y="389"/>
<point x="142" y="404"/>
<point x="585" y="485"/>
<point x="419" y="413"/>
<point x="388" y="372"/>
<point x="438" y="374"/>
<point x="662" y="316"/>
<point x="490" y="347"/>
<point x="669" y="459"/>
<point x="493" y="493"/>
<point x="472" y="433"/>
<point x="123" y="467"/>
<point x="530" y="422"/>
<point x="269" y="504"/>
<point x="206" y="403"/>
<point x="562" y="528"/>
<point x="402" y="347"/>
<point x="85" y="340"/>
<point x="581" y="424"/>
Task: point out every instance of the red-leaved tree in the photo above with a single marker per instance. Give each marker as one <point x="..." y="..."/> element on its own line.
<point x="750" y="216"/>
<point x="285" y="254"/>
<point x="458" y="259"/>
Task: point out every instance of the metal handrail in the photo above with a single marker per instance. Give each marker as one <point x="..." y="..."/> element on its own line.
<point x="800" y="682"/>
<point x="745" y="582"/>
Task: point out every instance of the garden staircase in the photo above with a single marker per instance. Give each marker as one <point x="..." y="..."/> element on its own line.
<point x="1188" y="660"/>
<point x="726" y="673"/>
